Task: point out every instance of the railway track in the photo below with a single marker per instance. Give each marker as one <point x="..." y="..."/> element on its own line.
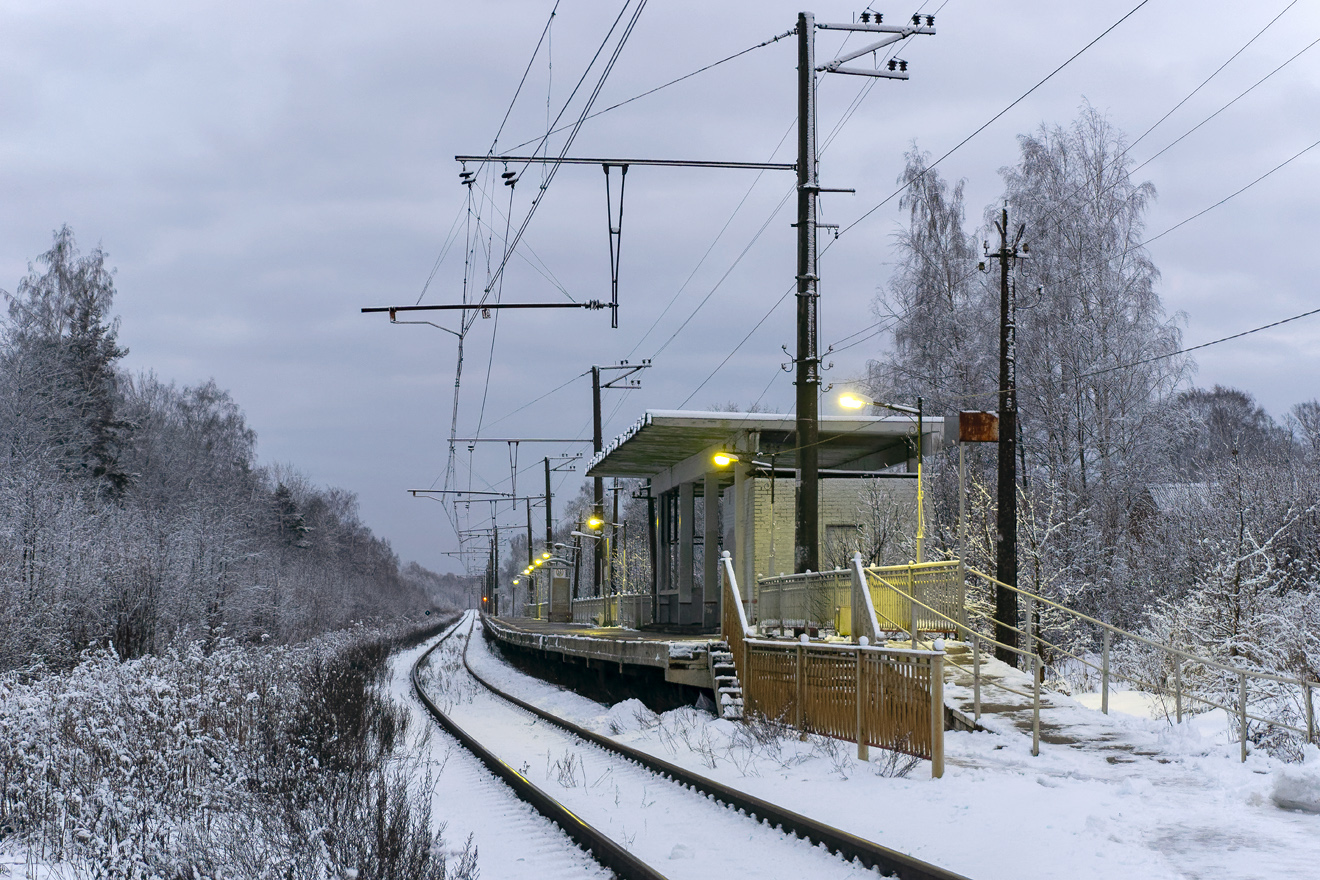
<point x="690" y="825"/>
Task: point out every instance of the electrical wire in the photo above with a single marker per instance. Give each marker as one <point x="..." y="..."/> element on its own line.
<point x="575" y="128"/>
<point x="711" y="248"/>
<point x="1181" y="351"/>
<point x="647" y="93"/>
<point x="997" y="116"/>
<point x="1233" y="195"/>
<point x="764" y="226"/>
<point x="740" y="344"/>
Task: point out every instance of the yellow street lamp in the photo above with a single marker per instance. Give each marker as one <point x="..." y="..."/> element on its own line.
<point x="724" y="459"/>
<point x="594" y="522"/>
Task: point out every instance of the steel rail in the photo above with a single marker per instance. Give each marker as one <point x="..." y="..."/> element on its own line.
<point x="848" y="846"/>
<point x="602" y="848"/>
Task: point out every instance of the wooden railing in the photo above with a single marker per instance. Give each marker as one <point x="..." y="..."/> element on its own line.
<point x="887" y="697"/>
<point x="802" y="601"/>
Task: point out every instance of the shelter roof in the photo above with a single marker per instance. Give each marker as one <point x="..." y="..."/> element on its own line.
<point x="662" y="439"/>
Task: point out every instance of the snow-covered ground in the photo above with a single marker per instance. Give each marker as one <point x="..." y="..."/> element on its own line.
<point x="1152" y="802"/>
<point x="682" y="833"/>
<point x="511" y="838"/>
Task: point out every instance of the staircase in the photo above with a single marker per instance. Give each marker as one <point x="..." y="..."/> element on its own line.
<point x="728" y="690"/>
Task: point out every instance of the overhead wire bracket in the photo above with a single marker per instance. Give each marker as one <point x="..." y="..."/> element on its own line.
<point x="616" y="238"/>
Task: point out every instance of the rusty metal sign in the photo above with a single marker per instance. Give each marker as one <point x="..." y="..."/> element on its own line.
<point x="978" y="427"/>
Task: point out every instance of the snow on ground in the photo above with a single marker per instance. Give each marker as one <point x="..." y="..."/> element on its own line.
<point x="683" y="833"/>
<point x="512" y="839"/>
<point x="1154" y="801"/>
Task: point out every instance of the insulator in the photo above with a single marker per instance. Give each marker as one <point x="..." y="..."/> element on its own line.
<point x="506" y="175"/>
<point x="511" y="181"/>
<point x="866" y="18"/>
<point x="893" y="65"/>
<point x="902" y="65"/>
<point x="916" y="20"/>
<point x="930" y="21"/>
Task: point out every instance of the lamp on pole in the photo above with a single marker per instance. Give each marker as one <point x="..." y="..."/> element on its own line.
<point x="852" y="401"/>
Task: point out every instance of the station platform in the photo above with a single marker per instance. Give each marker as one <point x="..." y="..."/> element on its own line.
<point x="684" y="659"/>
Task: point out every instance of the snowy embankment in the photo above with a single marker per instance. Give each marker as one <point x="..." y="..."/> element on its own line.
<point x="1190" y="809"/>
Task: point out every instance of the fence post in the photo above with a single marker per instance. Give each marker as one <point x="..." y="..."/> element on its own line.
<point x="937" y="716"/>
<point x="1177" y="687"/>
<point x="1030" y="629"/>
<point x="863" y="752"/>
<point x="798" y="713"/>
<point x="976" y="676"/>
<point x="1242" y="711"/>
<point x="1104" y="675"/>
<point x="1035" y="705"/>
<point x="912" y="604"/>
<point x="1310" y="712"/>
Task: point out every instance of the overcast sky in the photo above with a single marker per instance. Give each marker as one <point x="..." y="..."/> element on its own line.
<point x="258" y="172"/>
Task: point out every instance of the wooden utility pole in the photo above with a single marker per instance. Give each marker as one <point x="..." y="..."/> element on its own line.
<point x="1006" y="604"/>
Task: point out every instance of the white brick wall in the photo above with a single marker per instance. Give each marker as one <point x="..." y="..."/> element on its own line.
<point x="843" y="502"/>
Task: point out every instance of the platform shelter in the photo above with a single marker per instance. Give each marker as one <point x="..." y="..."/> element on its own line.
<point x="698" y="508"/>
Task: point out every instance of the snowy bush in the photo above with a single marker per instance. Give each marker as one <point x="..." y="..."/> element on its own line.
<point x="252" y="762"/>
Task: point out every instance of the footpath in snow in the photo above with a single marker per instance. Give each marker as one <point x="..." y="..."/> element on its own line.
<point x="1148" y="800"/>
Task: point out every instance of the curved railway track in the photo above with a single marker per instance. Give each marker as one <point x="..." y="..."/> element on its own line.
<point x="769" y="824"/>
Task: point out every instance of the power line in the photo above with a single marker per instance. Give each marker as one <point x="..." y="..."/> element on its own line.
<point x="740" y="344"/>
<point x="1229" y="104"/>
<point x="724" y="277"/>
<point x="1161" y="357"/>
<point x="1233" y="195"/>
<point x="576" y="127"/>
<point x="672" y="82"/>
<point x="527" y="70"/>
<point x="1119" y="158"/>
<point x="995" y="118"/>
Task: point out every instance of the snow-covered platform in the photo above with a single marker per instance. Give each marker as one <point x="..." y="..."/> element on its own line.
<point x="685" y="659"/>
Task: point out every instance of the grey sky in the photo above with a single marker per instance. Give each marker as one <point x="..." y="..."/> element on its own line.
<point x="258" y="172"/>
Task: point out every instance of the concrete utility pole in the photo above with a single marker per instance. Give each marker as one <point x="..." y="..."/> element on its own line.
<point x="1006" y="604"/>
<point x="806" y="543"/>
<point x="806" y="532"/>
<point x="549" y="522"/>
<point x="623" y="382"/>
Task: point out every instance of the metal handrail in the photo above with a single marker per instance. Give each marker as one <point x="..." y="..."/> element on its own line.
<point x="1281" y="679"/>
<point x="958" y="624"/>
<point x="1242" y="675"/>
<point x="1036" y="664"/>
